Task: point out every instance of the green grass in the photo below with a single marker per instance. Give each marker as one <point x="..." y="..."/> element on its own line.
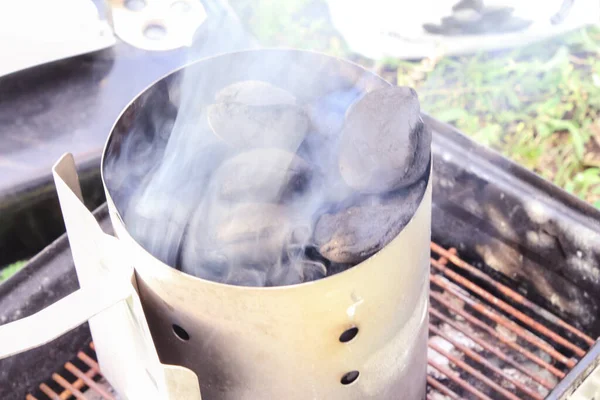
<point x="538" y="105"/>
<point x="12" y="269"/>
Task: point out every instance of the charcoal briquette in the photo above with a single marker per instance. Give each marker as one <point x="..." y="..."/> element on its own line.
<point x="234" y="237"/>
<point x="254" y="93"/>
<point x="265" y="175"/>
<point x="253" y="114"/>
<point x="246" y="127"/>
<point x="353" y="234"/>
<point x="384" y="145"/>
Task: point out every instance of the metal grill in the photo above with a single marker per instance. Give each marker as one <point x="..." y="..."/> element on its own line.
<point x="81" y="379"/>
<point x="486" y="341"/>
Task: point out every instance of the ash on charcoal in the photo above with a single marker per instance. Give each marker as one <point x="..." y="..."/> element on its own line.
<point x="260" y="244"/>
<point x="527" y="381"/>
<point x="439" y="359"/>
<point x="244" y="127"/>
<point x="254" y="93"/>
<point x="267" y="175"/>
<point x="239" y="236"/>
<point x="384" y="144"/>
<point x="460" y="338"/>
<point x="357" y="232"/>
<point x="506" y="333"/>
<point x="254" y="114"/>
<point x="260" y="187"/>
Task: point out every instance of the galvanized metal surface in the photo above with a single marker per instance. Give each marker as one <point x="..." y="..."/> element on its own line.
<point x="156" y="24"/>
<point x="294" y="330"/>
<point x="482" y="359"/>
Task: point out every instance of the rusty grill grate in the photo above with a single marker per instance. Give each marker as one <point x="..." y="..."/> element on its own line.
<point x="85" y="383"/>
<point x="486" y="341"/>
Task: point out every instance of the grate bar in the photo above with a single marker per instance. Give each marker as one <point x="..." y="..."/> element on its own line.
<point x="492" y="349"/>
<point x="505" y="290"/>
<point x="78" y="384"/>
<point x="49" y="392"/>
<point x="473" y="355"/>
<point x="556" y="372"/>
<point x="71" y="390"/>
<point x="527" y="320"/>
<point x="502" y="320"/>
<point x="88" y="380"/>
<point x="440" y="387"/>
<point x="89" y="361"/>
<point x="461" y="364"/>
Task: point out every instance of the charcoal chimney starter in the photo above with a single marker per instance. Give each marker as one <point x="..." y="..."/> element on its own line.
<point x="357" y="334"/>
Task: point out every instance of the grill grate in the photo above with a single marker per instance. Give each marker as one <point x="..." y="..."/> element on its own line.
<point x="86" y="382"/>
<point x="486" y="341"/>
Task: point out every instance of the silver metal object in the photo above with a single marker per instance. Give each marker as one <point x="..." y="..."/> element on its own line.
<point x="583" y="381"/>
<point x="156" y="24"/>
<point x="34" y="32"/>
<point x="245" y="342"/>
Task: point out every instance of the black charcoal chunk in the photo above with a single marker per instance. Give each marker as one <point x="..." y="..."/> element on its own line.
<point x="246" y="127"/>
<point x="247" y="234"/>
<point x="422" y="156"/>
<point x="384" y="145"/>
<point x="253" y="114"/>
<point x="321" y="152"/>
<point x="301" y="261"/>
<point x="355" y="233"/>
<point x="265" y="175"/>
<point x="255" y="232"/>
<point x="336" y="268"/>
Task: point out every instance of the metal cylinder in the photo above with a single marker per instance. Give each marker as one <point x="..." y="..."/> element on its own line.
<point x="360" y="334"/>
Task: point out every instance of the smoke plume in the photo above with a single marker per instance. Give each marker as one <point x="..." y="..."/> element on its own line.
<point x="269" y="167"/>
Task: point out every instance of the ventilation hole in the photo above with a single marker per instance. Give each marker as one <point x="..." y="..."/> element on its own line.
<point x="155" y="31"/>
<point x="348" y="335"/>
<point x="135" y="5"/>
<point x="181" y="333"/>
<point x="181" y="6"/>
<point x="350" y="377"/>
